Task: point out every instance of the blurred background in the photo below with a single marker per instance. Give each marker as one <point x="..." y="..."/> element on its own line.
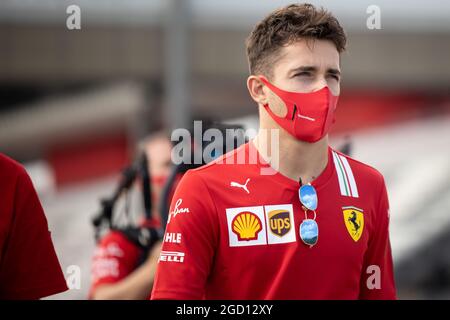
<point x="74" y="103"/>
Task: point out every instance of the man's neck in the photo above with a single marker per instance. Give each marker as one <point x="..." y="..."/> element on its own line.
<point x="296" y="159"/>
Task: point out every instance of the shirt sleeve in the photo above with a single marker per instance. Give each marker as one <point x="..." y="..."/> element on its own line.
<point x="189" y="243"/>
<point x="29" y="266"/>
<point x="114" y="259"/>
<point x="377" y="281"/>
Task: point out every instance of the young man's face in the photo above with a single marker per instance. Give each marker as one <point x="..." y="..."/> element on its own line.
<point x="304" y="66"/>
<point x="158" y="152"/>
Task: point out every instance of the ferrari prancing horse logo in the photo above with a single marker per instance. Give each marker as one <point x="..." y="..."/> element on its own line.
<point x="354" y="221"/>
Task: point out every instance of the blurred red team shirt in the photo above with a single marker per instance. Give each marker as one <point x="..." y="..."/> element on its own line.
<point x="114" y="259"/>
<point x="29" y="267"/>
<point x="234" y="234"/>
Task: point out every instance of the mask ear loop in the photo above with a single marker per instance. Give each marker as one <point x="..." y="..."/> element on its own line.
<point x="277" y="91"/>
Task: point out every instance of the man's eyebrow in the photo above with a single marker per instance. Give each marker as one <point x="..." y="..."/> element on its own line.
<point x="304" y="69"/>
<point x="313" y="69"/>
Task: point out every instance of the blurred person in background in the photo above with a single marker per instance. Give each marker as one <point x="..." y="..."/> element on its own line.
<point x="242" y="234"/>
<point x="120" y="269"/>
<point x="29" y="267"/>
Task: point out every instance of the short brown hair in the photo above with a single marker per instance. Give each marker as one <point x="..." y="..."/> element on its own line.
<point x="286" y="25"/>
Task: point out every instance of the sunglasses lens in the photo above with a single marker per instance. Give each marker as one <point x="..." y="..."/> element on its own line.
<point x="309" y="232"/>
<point x="308" y="197"/>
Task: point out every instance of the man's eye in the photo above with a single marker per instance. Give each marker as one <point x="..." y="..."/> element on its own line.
<point x="334" y="77"/>
<point x="304" y="74"/>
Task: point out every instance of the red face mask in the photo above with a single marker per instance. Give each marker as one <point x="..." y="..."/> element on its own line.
<point x="159" y="181"/>
<point x="309" y="115"/>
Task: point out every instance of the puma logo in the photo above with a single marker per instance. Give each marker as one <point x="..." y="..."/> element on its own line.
<point x="243" y="186"/>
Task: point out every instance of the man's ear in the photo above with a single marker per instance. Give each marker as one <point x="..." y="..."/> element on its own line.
<point x="256" y="89"/>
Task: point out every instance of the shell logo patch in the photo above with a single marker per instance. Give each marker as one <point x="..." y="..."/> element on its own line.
<point x="354" y="221"/>
<point x="246" y="226"/>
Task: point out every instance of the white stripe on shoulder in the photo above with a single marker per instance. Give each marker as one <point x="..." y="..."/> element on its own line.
<point x="351" y="178"/>
<point x="340" y="174"/>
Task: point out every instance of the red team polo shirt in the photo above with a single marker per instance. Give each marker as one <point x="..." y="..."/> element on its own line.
<point x="29" y="267"/>
<point x="114" y="259"/>
<point x="234" y="234"/>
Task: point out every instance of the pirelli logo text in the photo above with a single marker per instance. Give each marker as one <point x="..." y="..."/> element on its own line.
<point x="171" y="256"/>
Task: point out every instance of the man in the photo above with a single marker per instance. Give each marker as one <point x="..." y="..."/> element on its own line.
<point x="29" y="267"/>
<point x="116" y="270"/>
<point x="247" y="235"/>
